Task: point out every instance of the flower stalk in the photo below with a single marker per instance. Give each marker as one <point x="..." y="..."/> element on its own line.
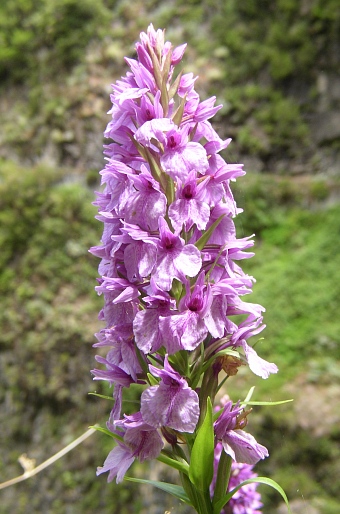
<point x="171" y="282"/>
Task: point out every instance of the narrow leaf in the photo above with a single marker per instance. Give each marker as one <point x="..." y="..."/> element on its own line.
<point x="247" y="399"/>
<point x="164" y="96"/>
<point x="280" y="402"/>
<point x="177" y="116"/>
<point x="176" y="464"/>
<point x="107" y="432"/>
<point x="174" y="86"/>
<point x="166" y="66"/>
<point x="102" y="396"/>
<point x="202" y="241"/>
<point x="259" y="480"/>
<point x="155" y="169"/>
<point x="175" y="490"/>
<point x="156" y="67"/>
<point x="201" y="468"/>
<point x="152" y="380"/>
<point x="249" y="395"/>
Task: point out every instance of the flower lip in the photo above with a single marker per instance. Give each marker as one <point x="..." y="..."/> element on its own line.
<point x="188" y="191"/>
<point x="196" y="303"/>
<point x="171" y="142"/>
<point x="169" y="241"/>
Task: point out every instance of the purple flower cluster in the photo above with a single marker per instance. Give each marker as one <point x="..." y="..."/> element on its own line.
<point x="169" y="252"/>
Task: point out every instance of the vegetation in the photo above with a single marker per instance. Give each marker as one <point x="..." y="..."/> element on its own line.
<point x="263" y="62"/>
<point x="34" y="33"/>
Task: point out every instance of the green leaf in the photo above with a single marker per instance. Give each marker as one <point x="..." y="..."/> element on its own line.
<point x="175" y="490"/>
<point x="174" y="86"/>
<point x="102" y="396"/>
<point x="156" y="170"/>
<point x="176" y="290"/>
<point x="201" y="468"/>
<point x="176" y="464"/>
<point x="152" y="380"/>
<point x="207" y="233"/>
<point x="177" y="116"/>
<point x="180" y="362"/>
<point x="164" y="94"/>
<point x="156" y="67"/>
<point x="259" y="480"/>
<point x="280" y="402"/>
<point x="247" y="401"/>
<point x="249" y="395"/>
<point x="107" y="432"/>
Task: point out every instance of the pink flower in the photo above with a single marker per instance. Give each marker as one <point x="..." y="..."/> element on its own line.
<point x="171" y="403"/>
<point x="174" y="258"/>
<point x="241" y="446"/>
<point x="189" y="209"/>
<point x="140" y="440"/>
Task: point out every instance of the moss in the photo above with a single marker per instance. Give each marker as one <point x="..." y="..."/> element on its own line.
<point x="37" y="33"/>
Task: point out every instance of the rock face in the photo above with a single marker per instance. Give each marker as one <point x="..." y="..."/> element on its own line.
<point x="314" y="408"/>
<point x="325" y="127"/>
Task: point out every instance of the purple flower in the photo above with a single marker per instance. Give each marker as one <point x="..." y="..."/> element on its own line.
<point x="188" y="209"/>
<point x="117" y="463"/>
<point x="141" y="441"/>
<point x="171" y="403"/>
<point x="120" y="300"/>
<point x="117" y="377"/>
<point x="114" y="374"/>
<point x="152" y="134"/>
<point x="241" y="446"/>
<point x="174" y="258"/>
<point x="148" y="109"/>
<point x="146" y="325"/>
<point x="139" y="251"/>
<point x="141" y="437"/>
<point x="180" y="156"/>
<point x="147" y="203"/>
<point x="187" y="329"/>
<point x="206" y="109"/>
<point x="250" y="327"/>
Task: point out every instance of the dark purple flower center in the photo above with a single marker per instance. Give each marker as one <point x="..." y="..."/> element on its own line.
<point x="195" y="304"/>
<point x="171" y="382"/>
<point x="172" y="142"/>
<point x="169" y="241"/>
<point x="188" y="192"/>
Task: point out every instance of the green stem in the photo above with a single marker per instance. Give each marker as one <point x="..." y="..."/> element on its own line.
<point x="223" y="475"/>
<point x="208" y="388"/>
<point x="180" y="466"/>
<point x="200" y="499"/>
<point x="204" y="502"/>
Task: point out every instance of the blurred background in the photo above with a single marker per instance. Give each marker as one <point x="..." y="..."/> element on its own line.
<point x="274" y="65"/>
